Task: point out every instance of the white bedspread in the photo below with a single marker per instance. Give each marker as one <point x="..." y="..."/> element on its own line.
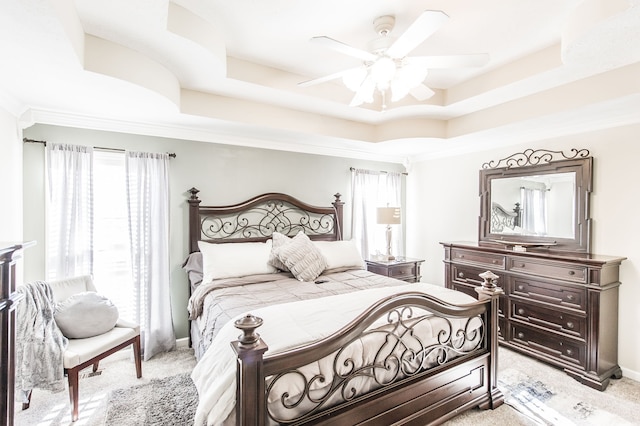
<point x="286" y="326"/>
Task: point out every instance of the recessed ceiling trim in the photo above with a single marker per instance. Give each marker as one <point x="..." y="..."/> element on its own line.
<point x="112" y="59"/>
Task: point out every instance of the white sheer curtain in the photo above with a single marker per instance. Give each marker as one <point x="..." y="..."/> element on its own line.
<point x="148" y="200"/>
<point x="370" y="190"/>
<point x="69" y="217"/>
<point x="534" y="210"/>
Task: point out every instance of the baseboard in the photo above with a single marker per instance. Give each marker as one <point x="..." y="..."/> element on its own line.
<point x="630" y="374"/>
<point x="182" y="343"/>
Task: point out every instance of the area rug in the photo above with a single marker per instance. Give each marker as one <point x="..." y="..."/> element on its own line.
<point x="167" y="401"/>
<point x="546" y="405"/>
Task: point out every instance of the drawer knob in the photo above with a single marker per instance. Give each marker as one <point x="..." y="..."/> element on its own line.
<point x="570" y="297"/>
<point x="461" y="256"/>
<point x="570" y="325"/>
<point x="520" y="287"/>
<point x="569" y="352"/>
<point x="461" y="274"/>
<point x="572" y="272"/>
<point x="522" y="265"/>
<point x="520" y="311"/>
<point x="494" y="261"/>
<point x="520" y="335"/>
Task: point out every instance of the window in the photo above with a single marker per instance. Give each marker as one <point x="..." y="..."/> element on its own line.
<point x="111" y="249"/>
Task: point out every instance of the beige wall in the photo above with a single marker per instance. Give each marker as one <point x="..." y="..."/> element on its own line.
<point x="11" y="178"/>
<point x="225" y="175"/>
<point x="443" y="205"/>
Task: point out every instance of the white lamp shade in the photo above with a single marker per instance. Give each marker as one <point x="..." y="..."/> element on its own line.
<point x="389" y="215"/>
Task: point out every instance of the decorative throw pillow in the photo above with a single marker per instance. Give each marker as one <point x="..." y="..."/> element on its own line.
<point x="85" y="314"/>
<point x="278" y="241"/>
<point x="302" y="258"/>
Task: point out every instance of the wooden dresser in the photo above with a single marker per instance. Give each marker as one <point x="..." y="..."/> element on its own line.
<point x="558" y="308"/>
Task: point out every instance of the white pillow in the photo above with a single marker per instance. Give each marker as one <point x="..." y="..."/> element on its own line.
<point x="227" y="260"/>
<point x="302" y="257"/>
<point x="85" y="314"/>
<point x="341" y="254"/>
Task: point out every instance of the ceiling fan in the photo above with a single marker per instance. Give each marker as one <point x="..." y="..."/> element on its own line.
<point x="387" y="68"/>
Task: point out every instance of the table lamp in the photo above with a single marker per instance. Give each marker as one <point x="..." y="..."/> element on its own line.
<point x="389" y="216"/>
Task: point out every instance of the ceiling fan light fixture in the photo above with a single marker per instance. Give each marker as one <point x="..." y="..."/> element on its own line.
<point x="354" y="78"/>
<point x="382" y="72"/>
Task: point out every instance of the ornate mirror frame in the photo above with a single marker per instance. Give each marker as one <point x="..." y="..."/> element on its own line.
<point x="535" y="163"/>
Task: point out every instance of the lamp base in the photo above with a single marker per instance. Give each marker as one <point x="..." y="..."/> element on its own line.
<point x="389" y="256"/>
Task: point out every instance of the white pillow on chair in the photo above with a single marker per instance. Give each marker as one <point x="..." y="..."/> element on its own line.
<point x="85" y="314"/>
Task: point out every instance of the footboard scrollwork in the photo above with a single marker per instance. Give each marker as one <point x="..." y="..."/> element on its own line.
<point x="399" y="350"/>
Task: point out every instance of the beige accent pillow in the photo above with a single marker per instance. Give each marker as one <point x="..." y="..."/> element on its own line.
<point x="302" y="257"/>
<point x="278" y="241"/>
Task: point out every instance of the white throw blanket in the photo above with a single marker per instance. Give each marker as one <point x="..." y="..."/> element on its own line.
<point x="286" y="326"/>
<point x="40" y="344"/>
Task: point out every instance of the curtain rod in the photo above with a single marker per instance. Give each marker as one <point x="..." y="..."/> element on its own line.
<point x="26" y="140"/>
<point x="379" y="171"/>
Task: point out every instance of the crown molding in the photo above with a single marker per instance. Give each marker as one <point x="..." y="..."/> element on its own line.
<point x="222" y="133"/>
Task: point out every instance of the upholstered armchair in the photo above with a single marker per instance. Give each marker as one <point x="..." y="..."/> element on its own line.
<point x="84" y="352"/>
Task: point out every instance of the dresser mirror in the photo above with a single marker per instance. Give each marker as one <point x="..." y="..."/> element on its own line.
<point x="537" y="200"/>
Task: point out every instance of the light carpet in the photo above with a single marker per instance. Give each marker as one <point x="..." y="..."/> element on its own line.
<point x="536" y="394"/>
<point x="168" y="401"/>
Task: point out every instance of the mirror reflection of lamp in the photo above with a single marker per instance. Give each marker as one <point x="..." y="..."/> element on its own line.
<point x="389" y="216"/>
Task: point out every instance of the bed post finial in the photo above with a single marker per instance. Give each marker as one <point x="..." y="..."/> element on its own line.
<point x="248" y="325"/>
<point x="490" y="280"/>
<point x="194" y="193"/>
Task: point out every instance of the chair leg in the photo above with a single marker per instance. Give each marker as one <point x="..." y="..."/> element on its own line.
<point x="72" y="374"/>
<point x="95" y="366"/>
<point x="136" y="356"/>
<point x="25" y="405"/>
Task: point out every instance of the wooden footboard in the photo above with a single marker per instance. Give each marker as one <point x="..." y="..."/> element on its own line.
<point x="412" y="379"/>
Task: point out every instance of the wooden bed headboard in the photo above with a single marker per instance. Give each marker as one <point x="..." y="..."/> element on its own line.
<point x="258" y="218"/>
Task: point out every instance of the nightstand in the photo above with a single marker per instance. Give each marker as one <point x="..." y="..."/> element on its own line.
<point x="401" y="268"/>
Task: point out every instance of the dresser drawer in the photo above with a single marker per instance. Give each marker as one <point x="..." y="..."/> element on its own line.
<point x="557" y="270"/>
<point x="570" y="296"/>
<point x="562" y="349"/>
<point x="495" y="261"/>
<point x="551" y="319"/>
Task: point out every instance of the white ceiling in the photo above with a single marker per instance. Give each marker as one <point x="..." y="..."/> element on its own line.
<point x="227" y="71"/>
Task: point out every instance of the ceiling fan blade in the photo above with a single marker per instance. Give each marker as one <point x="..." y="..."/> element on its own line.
<point x="450" y="61"/>
<point x="426" y="24"/>
<point x="329" y="77"/>
<point x="421" y="92"/>
<point x="344" y="48"/>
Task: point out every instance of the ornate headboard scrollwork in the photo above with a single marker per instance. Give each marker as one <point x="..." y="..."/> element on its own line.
<point x="258" y="218"/>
